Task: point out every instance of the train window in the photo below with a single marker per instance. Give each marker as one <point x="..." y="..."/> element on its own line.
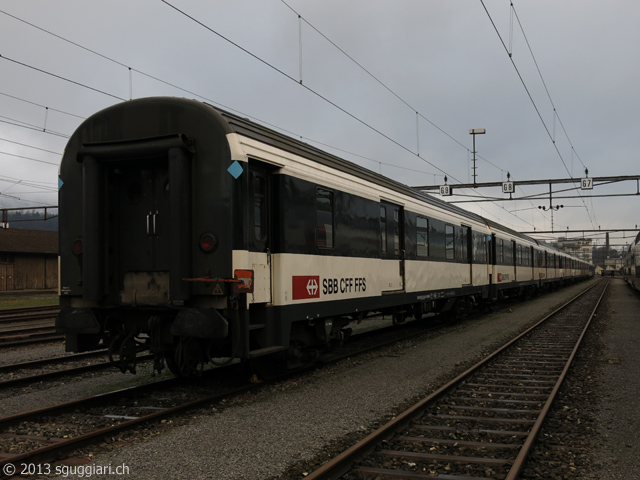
<point x="259" y="207"/>
<point x="449" y="242"/>
<point x="519" y="255"/>
<point x="422" y="241"/>
<point x="479" y="248"/>
<point x="383" y="230"/>
<point x="324" y="215"/>
<point x="464" y="247"/>
<point x="525" y="258"/>
<point x="500" y="246"/>
<point x="396" y="231"/>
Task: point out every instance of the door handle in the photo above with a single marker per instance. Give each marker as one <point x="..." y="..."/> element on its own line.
<point x="151" y="224"/>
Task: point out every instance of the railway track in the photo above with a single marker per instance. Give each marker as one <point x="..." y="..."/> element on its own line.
<point x="10" y="315"/>
<point x="10" y="339"/>
<point x="484" y="423"/>
<point x="27" y="326"/>
<point x="21" y="374"/>
<point x="45" y="434"/>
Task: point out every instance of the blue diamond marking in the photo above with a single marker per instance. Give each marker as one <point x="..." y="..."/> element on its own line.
<point x="235" y="169"/>
<point x="60" y="183"/>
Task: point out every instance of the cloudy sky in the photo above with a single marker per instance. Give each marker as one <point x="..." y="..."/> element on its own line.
<point x="392" y="85"/>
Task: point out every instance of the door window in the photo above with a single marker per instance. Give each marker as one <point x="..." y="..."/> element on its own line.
<point x="324" y="215"/>
<point x="449" y="242"/>
<point x="259" y="185"/>
<point x="383" y="230"/>
<point x="422" y="240"/>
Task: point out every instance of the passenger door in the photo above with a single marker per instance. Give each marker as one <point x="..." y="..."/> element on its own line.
<point x="392" y="245"/>
<point x="138" y="226"/>
<point x="260" y="232"/>
<point x="142" y="210"/>
<point x="467" y="249"/>
<point x="136" y="220"/>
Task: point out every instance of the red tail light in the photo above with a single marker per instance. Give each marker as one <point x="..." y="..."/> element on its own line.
<point x="77" y="247"/>
<point x="208" y="242"/>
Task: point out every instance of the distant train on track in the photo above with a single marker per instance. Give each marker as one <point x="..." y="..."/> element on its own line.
<point x="631" y="264"/>
<point x="199" y="235"/>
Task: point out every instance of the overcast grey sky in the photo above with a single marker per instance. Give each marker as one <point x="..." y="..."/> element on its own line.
<point x="446" y="60"/>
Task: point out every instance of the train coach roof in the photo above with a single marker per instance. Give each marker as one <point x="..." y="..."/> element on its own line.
<point x="247" y="128"/>
<point x="497" y="227"/>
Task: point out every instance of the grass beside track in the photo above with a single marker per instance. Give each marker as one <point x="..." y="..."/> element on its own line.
<point x="35" y="300"/>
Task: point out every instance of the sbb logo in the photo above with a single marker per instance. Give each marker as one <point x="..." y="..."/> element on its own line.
<point x="305" y="286"/>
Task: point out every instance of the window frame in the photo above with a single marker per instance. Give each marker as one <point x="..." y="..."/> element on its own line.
<point x="449" y="242"/>
<point x="382" y="218"/>
<point x="325" y="193"/>
<point x="422" y="231"/>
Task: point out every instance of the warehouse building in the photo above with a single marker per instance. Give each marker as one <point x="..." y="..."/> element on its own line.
<point x="28" y="259"/>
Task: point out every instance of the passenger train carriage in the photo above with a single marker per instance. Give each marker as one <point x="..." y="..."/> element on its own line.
<point x="200" y="235"/>
<point x="631" y="264"/>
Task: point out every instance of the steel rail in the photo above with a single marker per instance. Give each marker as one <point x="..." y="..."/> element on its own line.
<point x="51" y="452"/>
<point x="52" y="337"/>
<point x="28" y="313"/>
<point x="520" y="460"/>
<point x="27" y="330"/>
<point x="58" y="373"/>
<point x="342" y="463"/>
<point x="46" y="361"/>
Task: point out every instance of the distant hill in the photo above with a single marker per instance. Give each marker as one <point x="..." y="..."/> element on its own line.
<point x="32" y="220"/>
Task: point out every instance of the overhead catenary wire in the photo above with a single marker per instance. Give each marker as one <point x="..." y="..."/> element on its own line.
<point x="27" y="183"/>
<point x="513" y="13"/>
<point x="380" y="82"/>
<point x="406" y="103"/>
<point x="246" y="51"/>
<point x="18" y="123"/>
<point x="29" y="158"/>
<point x="535" y="106"/>
<point x="286" y="75"/>
<point x="175" y="86"/>
<point x="29" y="146"/>
<point x="131" y="69"/>
<point x="60" y="77"/>
<point x="544" y="83"/>
<point x="42" y="106"/>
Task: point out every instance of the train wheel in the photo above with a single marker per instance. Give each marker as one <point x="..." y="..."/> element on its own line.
<point x="187" y="358"/>
<point x="122" y="352"/>
<point x="399" y="317"/>
<point x="172" y="365"/>
<point x="417" y="311"/>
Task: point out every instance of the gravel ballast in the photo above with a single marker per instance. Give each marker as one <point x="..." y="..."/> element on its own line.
<point x="617" y="453"/>
<point x="286" y="429"/>
<point x="260" y="435"/>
